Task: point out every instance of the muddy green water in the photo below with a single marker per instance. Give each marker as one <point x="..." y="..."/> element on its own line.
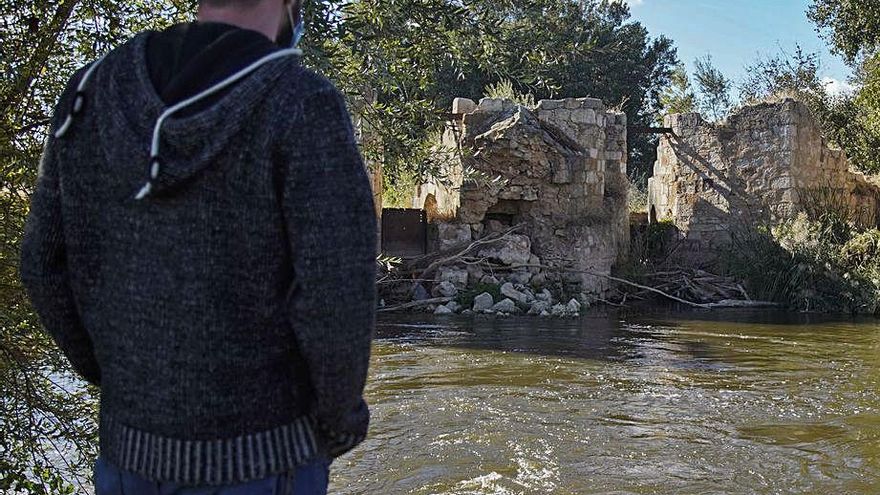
<point x="621" y="404"/>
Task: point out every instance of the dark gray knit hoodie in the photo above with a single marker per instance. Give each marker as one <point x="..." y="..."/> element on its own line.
<point x="227" y="314"/>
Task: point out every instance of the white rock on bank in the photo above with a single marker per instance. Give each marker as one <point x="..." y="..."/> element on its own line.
<point x="483" y="302"/>
<point x="445" y="289"/>
<point x="539" y="307"/>
<point x="505" y="306"/>
<point x="510" y="292"/>
<point x="544" y="295"/>
<point x="443" y="310"/>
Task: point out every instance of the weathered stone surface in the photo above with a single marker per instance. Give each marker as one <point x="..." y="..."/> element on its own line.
<point x="520" y="276"/>
<point x="463" y="105"/>
<point x="457" y="276"/>
<point x="520" y="298"/>
<point x="483" y="302"/>
<point x="443" y="310"/>
<point x="451" y="235"/>
<point x="559" y="311"/>
<point x="573" y="306"/>
<point x="760" y="165"/>
<point x="558" y="171"/>
<point x="544" y="295"/>
<point x="491" y="105"/>
<point x="516" y="250"/>
<point x="445" y="289"/>
<point x="539" y="307"/>
<point x="454" y="306"/>
<point x="505" y="306"/>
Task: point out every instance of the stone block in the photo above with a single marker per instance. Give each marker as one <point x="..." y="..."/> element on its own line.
<point x="457" y="276"/>
<point x="483" y="302"/>
<point x="549" y="104"/>
<point x="521" y="276"/>
<point x="505" y="306"/>
<point x="539" y="307"/>
<point x="491" y="105"/>
<point x="514" y="250"/>
<point x="509" y="291"/>
<point x="453" y="234"/>
<point x="463" y="105"/>
<point x="591" y="103"/>
<point x="445" y="289"/>
<point x="584" y="116"/>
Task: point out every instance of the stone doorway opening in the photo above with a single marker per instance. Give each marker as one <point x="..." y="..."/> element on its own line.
<point x="505" y="214"/>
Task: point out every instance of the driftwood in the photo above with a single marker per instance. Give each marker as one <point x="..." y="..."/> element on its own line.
<point x="458" y="253"/>
<point x="415" y="304"/>
<point x="694" y="288"/>
<point x="702" y="283"/>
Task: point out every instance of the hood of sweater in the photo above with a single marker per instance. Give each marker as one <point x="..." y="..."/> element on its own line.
<point x="190" y="57"/>
<point x="136" y="127"/>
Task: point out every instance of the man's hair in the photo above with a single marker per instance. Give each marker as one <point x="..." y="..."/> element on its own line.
<point x="229" y="3"/>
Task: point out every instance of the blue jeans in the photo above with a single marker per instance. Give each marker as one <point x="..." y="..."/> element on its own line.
<point x="308" y="479"/>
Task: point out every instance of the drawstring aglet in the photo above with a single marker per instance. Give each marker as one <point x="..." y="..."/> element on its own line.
<point x="144" y="191"/>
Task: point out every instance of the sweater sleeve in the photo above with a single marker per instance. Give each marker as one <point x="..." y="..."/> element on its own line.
<point x="43" y="270"/>
<point x="332" y="230"/>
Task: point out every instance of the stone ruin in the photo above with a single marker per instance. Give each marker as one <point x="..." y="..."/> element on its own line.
<point x="763" y="165"/>
<point x="558" y="170"/>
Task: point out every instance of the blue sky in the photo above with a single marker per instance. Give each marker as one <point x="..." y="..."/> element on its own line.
<point x="736" y="32"/>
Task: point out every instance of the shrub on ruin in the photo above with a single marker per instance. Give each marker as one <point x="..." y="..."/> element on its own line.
<point x="818" y="265"/>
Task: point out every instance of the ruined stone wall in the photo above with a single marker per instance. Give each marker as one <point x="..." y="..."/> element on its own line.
<point x="559" y="170"/>
<point x="763" y="165"/>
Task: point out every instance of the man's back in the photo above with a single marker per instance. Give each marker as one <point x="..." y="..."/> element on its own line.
<point x="221" y="292"/>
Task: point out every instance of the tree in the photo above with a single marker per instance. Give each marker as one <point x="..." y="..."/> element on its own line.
<point x="853" y="29"/>
<point x="679" y="96"/>
<point x="852" y="26"/>
<point x="559" y="49"/>
<point x="795" y="74"/>
<point x="48" y="427"/>
<point x="714" y="88"/>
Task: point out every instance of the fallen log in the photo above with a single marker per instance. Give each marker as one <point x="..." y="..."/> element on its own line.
<point x="415" y="304"/>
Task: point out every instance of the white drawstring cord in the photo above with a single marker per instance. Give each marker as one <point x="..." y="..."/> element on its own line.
<point x="154" y="148"/>
<point x="79" y="99"/>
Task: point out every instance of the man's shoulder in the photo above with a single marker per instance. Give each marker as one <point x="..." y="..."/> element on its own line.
<point x="304" y="83"/>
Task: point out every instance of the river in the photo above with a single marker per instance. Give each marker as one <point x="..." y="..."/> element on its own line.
<point x="651" y="403"/>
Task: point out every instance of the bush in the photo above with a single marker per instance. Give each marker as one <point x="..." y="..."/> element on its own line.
<point x="466" y="298"/>
<point x="824" y="265"/>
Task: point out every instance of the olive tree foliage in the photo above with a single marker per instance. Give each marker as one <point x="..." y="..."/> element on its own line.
<point x="714" y="89"/>
<point x="853" y="29"/>
<point x="679" y="96"/>
<point x="559" y="49"/>
<point x="47" y="419"/>
<point x="406" y="60"/>
<point x="851" y="26"/>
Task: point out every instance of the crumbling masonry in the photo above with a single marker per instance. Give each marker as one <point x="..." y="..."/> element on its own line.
<point x="558" y="170"/>
<point x="763" y="165"/>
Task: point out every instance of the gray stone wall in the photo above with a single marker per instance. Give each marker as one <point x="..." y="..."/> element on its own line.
<point x="763" y="165"/>
<point x="559" y="170"/>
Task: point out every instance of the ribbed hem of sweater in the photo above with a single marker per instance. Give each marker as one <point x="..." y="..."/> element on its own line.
<point x="207" y="462"/>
